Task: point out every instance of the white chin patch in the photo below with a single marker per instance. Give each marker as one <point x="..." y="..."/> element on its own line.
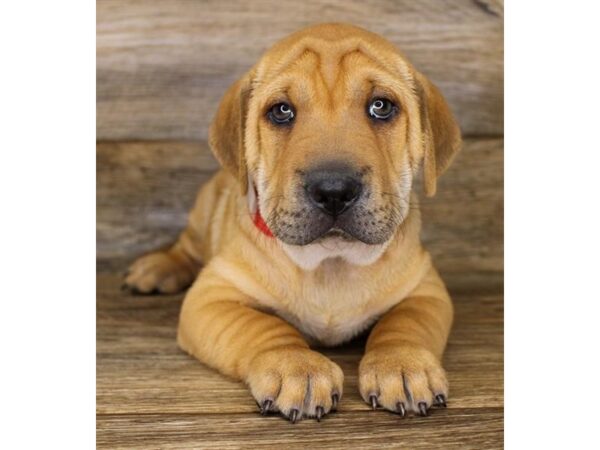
<point x="308" y="257"/>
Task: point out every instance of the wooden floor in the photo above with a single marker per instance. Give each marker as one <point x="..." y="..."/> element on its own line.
<point x="152" y="395"/>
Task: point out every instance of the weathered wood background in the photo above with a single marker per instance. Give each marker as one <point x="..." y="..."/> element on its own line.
<point x="163" y="65"/>
<point x="161" y="70"/>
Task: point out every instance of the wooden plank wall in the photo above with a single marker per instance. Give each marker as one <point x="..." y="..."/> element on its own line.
<point x="162" y="66"/>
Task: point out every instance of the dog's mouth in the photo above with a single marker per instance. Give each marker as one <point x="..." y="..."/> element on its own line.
<point x="337" y="233"/>
<point x="371" y="226"/>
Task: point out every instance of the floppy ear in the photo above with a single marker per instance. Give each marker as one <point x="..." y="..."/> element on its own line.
<point x="441" y="133"/>
<point x="226" y="134"/>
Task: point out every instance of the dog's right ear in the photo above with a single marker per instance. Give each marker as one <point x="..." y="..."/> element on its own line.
<point x="226" y="134"/>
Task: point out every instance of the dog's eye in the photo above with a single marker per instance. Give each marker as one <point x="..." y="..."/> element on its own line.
<point x="382" y="109"/>
<point x="281" y="113"/>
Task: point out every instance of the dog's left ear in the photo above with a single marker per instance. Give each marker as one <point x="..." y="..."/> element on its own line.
<point x="226" y="134"/>
<point x="441" y="133"/>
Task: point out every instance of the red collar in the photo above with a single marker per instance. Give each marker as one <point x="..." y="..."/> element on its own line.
<point x="258" y="220"/>
<point x="260" y="223"/>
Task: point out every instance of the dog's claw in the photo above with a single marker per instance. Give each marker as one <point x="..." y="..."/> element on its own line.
<point x="401" y="409"/>
<point x="320" y="411"/>
<point x="423" y="408"/>
<point x="335" y="398"/>
<point x="266" y="406"/>
<point x="373" y="401"/>
<point x="441" y="400"/>
<point x="293" y="415"/>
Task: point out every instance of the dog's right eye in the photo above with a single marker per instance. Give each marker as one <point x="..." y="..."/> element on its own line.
<point x="281" y="113"/>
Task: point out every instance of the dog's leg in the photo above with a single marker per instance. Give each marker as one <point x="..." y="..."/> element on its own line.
<point x="166" y="272"/>
<point x="266" y="352"/>
<point x="401" y="369"/>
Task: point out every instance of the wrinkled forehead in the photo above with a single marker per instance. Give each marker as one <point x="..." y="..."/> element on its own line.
<point x="344" y="67"/>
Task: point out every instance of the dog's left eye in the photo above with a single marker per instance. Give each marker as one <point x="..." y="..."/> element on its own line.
<point x="382" y="109"/>
<point x="281" y="113"/>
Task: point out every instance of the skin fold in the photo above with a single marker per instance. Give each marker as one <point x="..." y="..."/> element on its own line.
<point x="261" y="301"/>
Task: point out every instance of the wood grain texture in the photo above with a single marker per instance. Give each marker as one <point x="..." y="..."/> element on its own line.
<point x="163" y="66"/>
<point x="145" y="190"/>
<point x="466" y="429"/>
<point x="152" y="395"/>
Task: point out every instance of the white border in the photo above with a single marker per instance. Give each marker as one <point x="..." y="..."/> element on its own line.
<point x="47" y="236"/>
<point x="47" y="239"/>
<point x="552" y="224"/>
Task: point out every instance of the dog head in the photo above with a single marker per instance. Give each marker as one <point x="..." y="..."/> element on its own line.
<point x="328" y="130"/>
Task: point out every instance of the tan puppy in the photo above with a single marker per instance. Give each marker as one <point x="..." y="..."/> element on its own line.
<point x="311" y="234"/>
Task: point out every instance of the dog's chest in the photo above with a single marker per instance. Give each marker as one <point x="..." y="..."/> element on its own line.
<point x="333" y="309"/>
<point x="331" y="316"/>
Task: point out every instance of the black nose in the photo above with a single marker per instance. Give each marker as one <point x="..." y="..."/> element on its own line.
<point x="333" y="192"/>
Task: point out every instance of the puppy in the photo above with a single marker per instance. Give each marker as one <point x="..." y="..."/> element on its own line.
<point x="310" y="233"/>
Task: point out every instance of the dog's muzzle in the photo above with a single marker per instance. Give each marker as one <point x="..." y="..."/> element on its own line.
<point x="334" y="200"/>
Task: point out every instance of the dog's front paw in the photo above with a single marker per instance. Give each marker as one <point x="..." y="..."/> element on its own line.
<point x="297" y="382"/>
<point x="159" y="272"/>
<point x="402" y="378"/>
